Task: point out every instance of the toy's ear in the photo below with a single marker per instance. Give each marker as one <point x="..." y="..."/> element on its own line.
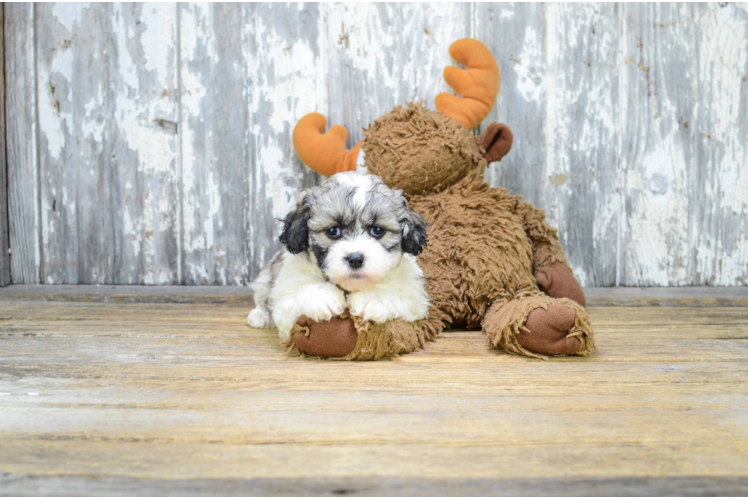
<point x="414" y="232"/>
<point x="323" y="152"/>
<point x="295" y="235"/>
<point x="496" y="141"/>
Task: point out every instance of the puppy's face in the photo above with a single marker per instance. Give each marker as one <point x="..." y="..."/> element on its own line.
<point x="355" y="228"/>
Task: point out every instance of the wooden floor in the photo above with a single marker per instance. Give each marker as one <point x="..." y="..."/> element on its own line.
<point x="119" y="397"/>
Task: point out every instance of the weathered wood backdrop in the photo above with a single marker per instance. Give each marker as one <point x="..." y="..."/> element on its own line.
<point x="150" y="143"/>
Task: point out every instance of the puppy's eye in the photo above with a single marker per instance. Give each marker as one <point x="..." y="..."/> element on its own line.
<point x="333" y="232"/>
<point x="377" y="231"/>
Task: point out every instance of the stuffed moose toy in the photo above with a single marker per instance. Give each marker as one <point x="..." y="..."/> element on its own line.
<point x="491" y="261"/>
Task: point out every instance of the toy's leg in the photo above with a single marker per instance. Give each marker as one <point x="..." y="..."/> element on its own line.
<point x="552" y="271"/>
<point x="557" y="281"/>
<point x="350" y="338"/>
<point x="537" y="325"/>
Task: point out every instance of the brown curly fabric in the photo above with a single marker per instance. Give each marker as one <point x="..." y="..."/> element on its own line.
<point x="388" y="340"/>
<point x="486" y="247"/>
<point x="483" y="248"/>
<point x="373" y="342"/>
<point x="416" y="149"/>
<point x="510" y="325"/>
<point x="481" y="258"/>
<point x="478" y="250"/>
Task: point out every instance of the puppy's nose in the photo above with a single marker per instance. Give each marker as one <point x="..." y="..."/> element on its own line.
<point x="355" y="260"/>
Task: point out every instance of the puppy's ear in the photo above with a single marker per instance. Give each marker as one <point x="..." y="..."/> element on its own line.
<point x="414" y="232"/>
<point x="295" y="235"/>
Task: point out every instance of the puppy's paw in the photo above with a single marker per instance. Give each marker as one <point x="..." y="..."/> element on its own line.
<point x="365" y="307"/>
<point x="319" y="302"/>
<point x="323" y="304"/>
<point x="258" y="318"/>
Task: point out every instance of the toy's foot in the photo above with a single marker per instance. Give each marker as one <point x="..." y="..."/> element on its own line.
<point x="334" y="338"/>
<point x="557" y="281"/>
<point x="549" y="330"/>
<point x="538" y="326"/>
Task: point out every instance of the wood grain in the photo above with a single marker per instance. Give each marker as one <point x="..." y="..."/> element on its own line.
<point x="516" y="35"/>
<point x="367" y="486"/>
<point x="240" y="295"/>
<point x="560" y="95"/>
<point x="659" y="167"/>
<point x="383" y="55"/>
<point x="21" y="145"/>
<point x="107" y="121"/>
<point x="4" y="235"/>
<point x="162" y="133"/>
<point x="288" y="78"/>
<point x="582" y="151"/>
<point x="216" y="164"/>
<point x="187" y="398"/>
<point x="720" y="191"/>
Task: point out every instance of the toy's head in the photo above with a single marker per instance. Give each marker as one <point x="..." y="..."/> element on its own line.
<point x="414" y="148"/>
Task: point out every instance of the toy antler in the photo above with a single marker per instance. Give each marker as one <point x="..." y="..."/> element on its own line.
<point x="478" y="84"/>
<point x="323" y="153"/>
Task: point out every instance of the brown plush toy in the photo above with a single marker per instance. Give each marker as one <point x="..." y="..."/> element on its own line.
<point x="491" y="261"/>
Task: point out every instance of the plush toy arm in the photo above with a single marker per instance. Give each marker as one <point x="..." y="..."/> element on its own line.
<point x="352" y="339"/>
<point x="550" y="267"/>
<point x="390" y="339"/>
<point x="545" y="245"/>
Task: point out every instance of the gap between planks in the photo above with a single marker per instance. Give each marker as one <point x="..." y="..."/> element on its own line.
<point x="696" y="296"/>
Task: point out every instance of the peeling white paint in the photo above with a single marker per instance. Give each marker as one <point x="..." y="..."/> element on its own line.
<point x="70" y="14"/>
<point x="55" y="118"/>
<point x="157" y="26"/>
<point x="284" y="196"/>
<point x="52" y="122"/>
<point x="723" y="74"/>
<point x="193" y="92"/>
<point x="529" y="64"/>
<point x="684" y="219"/>
<point x="655" y="212"/>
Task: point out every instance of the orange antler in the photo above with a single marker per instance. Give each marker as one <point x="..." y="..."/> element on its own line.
<point x="478" y="84"/>
<point x="323" y="153"/>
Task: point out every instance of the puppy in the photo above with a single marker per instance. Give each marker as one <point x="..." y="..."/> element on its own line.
<point x="350" y="243"/>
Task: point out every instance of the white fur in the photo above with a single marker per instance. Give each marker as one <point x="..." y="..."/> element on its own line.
<point x="301" y="289"/>
<point x="399" y="295"/>
<point x="377" y="263"/>
<point x="361" y="162"/>
<point x="362" y="183"/>
<point x="388" y="286"/>
<point x="259" y="317"/>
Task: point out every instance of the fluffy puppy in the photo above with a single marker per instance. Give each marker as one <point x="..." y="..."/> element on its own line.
<point x="350" y="243"/>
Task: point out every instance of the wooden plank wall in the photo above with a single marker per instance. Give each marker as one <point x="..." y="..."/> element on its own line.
<point x="150" y="143"/>
<point x="4" y="236"/>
